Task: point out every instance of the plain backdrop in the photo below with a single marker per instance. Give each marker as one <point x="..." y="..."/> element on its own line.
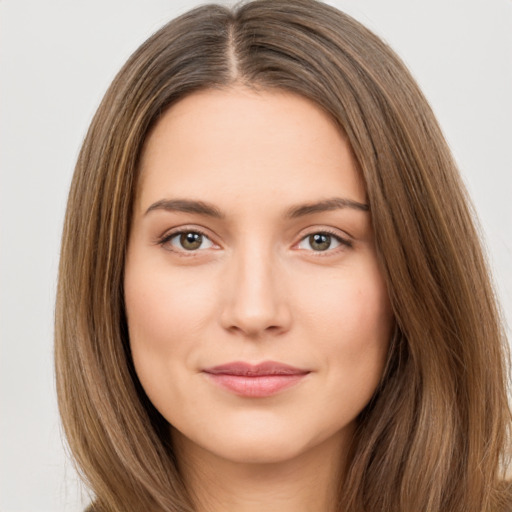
<point x="57" y="59"/>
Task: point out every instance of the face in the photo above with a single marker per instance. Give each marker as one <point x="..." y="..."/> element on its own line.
<point x="258" y="318"/>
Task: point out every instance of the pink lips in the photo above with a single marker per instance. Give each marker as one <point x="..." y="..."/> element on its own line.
<point x="256" y="381"/>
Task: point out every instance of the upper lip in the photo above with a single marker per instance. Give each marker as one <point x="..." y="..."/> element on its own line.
<point x="244" y="369"/>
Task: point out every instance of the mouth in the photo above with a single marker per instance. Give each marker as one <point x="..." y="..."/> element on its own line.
<point x="256" y="381"/>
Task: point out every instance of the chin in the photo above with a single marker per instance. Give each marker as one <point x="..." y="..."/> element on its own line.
<point x="258" y="443"/>
<point x="263" y="450"/>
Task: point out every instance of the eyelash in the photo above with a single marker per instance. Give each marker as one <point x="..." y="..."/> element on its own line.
<point x="345" y="243"/>
<point x="169" y="236"/>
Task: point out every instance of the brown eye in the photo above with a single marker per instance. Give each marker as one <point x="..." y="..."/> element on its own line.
<point x="320" y="241"/>
<point x="191" y="241"/>
<point x="188" y="241"/>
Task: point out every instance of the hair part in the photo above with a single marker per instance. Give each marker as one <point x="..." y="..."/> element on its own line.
<point x="434" y="435"/>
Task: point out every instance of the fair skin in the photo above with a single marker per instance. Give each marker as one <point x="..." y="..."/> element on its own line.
<point x="275" y="268"/>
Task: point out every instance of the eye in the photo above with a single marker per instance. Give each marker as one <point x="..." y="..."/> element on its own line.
<point x="322" y="242"/>
<point x="187" y="241"/>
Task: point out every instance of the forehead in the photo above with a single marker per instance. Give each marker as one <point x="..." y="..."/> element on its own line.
<point x="254" y="145"/>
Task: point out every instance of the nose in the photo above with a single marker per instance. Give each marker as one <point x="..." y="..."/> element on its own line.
<point x="255" y="303"/>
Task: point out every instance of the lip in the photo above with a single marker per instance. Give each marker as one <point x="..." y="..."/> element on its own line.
<point x="255" y="380"/>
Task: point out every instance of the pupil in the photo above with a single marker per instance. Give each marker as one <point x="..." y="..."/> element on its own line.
<point x="191" y="241"/>
<point x="320" y="241"/>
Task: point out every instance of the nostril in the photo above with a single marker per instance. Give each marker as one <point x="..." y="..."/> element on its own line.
<point x="255" y="326"/>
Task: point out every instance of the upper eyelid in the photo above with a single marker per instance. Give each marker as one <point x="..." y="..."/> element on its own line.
<point x="336" y="232"/>
<point x="169" y="233"/>
<point x="310" y="230"/>
<point x="344" y="239"/>
<point x="345" y="242"/>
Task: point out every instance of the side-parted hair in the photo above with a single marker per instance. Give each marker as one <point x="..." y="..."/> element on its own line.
<point x="434" y="437"/>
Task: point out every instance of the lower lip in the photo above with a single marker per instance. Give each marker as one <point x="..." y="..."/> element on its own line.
<point x="256" y="386"/>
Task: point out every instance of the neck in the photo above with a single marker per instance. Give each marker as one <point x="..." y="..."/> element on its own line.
<point x="308" y="482"/>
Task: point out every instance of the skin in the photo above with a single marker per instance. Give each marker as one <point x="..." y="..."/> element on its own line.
<point x="256" y="288"/>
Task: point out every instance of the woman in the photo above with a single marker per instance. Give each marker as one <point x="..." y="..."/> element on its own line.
<point x="271" y="294"/>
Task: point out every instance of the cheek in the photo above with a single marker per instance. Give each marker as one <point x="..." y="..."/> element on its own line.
<point x="365" y="320"/>
<point x="164" y="306"/>
<point x="166" y="313"/>
<point x="351" y="322"/>
<point x="353" y="303"/>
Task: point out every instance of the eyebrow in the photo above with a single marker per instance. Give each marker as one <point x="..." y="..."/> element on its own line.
<point x="186" y="206"/>
<point x="334" y="203"/>
<point x="209" y="210"/>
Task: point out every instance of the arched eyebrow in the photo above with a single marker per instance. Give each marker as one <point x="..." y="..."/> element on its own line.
<point x="334" y="203"/>
<point x="187" y="206"/>
<point x="301" y="210"/>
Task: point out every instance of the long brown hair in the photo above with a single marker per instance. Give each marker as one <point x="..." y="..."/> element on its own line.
<point x="433" y="438"/>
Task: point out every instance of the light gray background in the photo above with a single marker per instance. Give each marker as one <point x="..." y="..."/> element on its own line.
<point x="56" y="61"/>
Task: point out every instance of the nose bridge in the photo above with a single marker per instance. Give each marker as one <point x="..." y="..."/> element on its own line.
<point x="256" y="300"/>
